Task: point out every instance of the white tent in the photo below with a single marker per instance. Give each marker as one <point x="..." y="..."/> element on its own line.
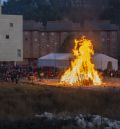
<point x="101" y="61"/>
<point x="58" y="60"/>
<point x="62" y="60"/>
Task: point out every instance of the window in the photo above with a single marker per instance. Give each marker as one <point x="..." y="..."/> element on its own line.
<point x="114" y="36"/>
<point x="52" y="33"/>
<point x="43" y="34"/>
<point x="7" y="36"/>
<point x="103" y="36"/>
<point x="103" y="39"/>
<point x="18" y="52"/>
<point x="81" y="33"/>
<point x="90" y="33"/>
<point x="26" y="33"/>
<point x="35" y="32"/>
<point x="35" y="39"/>
<point x="11" y="24"/>
<point x="26" y="39"/>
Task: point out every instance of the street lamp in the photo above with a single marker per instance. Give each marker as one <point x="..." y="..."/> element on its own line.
<point x="55" y="58"/>
<point x="47" y="50"/>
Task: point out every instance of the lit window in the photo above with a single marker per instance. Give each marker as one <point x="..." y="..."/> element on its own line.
<point x="35" y="32"/>
<point x="26" y="33"/>
<point x="103" y="39"/>
<point x="35" y="39"/>
<point x="52" y="33"/>
<point x="48" y="45"/>
<point x="43" y="34"/>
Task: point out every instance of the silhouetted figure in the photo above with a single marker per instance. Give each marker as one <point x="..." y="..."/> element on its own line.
<point x="12" y="77"/>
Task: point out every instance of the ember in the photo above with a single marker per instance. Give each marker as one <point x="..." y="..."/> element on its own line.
<point x="82" y="70"/>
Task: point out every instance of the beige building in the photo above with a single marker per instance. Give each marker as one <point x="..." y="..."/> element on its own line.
<point x="11" y="38"/>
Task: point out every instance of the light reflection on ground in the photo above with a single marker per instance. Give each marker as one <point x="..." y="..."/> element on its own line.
<point x="107" y="83"/>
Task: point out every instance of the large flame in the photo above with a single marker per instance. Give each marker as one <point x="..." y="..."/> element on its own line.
<point x="82" y="70"/>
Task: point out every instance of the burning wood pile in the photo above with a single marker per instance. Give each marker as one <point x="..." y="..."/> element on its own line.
<point x="82" y="71"/>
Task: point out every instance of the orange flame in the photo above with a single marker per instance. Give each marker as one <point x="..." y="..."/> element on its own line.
<point x="82" y="70"/>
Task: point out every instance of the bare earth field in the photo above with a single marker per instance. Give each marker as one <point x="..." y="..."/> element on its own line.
<point x="25" y="100"/>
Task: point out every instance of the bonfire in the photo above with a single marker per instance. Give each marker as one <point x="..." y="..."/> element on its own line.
<point x="81" y="71"/>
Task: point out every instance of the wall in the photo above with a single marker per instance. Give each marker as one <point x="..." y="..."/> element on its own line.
<point x="41" y="43"/>
<point x="11" y="38"/>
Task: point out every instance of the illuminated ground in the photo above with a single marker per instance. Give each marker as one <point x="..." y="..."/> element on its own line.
<point x="107" y="83"/>
<point x="25" y="100"/>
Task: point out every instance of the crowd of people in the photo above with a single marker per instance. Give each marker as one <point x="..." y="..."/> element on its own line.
<point x="11" y="73"/>
<point x="112" y="73"/>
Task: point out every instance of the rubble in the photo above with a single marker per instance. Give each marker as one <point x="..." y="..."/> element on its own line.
<point x="84" y="121"/>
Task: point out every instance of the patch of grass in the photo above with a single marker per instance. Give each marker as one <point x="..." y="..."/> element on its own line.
<point x="23" y="100"/>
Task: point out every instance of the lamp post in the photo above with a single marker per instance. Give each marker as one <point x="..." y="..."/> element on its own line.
<point x="55" y="58"/>
<point x="47" y="48"/>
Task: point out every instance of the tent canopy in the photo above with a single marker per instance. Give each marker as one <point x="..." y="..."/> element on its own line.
<point x="101" y="61"/>
<point x="62" y="60"/>
<point x="58" y="60"/>
<point x="57" y="56"/>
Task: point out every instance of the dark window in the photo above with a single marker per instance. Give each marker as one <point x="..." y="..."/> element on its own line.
<point x="11" y="24"/>
<point x="19" y="52"/>
<point x="7" y="36"/>
<point x="26" y="39"/>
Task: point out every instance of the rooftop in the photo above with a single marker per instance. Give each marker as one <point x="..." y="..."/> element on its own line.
<point x="69" y="26"/>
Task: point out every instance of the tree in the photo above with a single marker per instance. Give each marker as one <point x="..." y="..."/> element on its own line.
<point x="49" y="10"/>
<point x="112" y="12"/>
<point x="41" y="10"/>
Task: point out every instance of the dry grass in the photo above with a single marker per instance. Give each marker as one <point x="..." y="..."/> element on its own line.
<point x="24" y="100"/>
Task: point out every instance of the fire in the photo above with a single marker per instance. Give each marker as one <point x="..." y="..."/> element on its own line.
<point x="82" y="70"/>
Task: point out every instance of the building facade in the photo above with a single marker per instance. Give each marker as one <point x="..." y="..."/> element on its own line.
<point x="11" y="38"/>
<point x="39" y="41"/>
